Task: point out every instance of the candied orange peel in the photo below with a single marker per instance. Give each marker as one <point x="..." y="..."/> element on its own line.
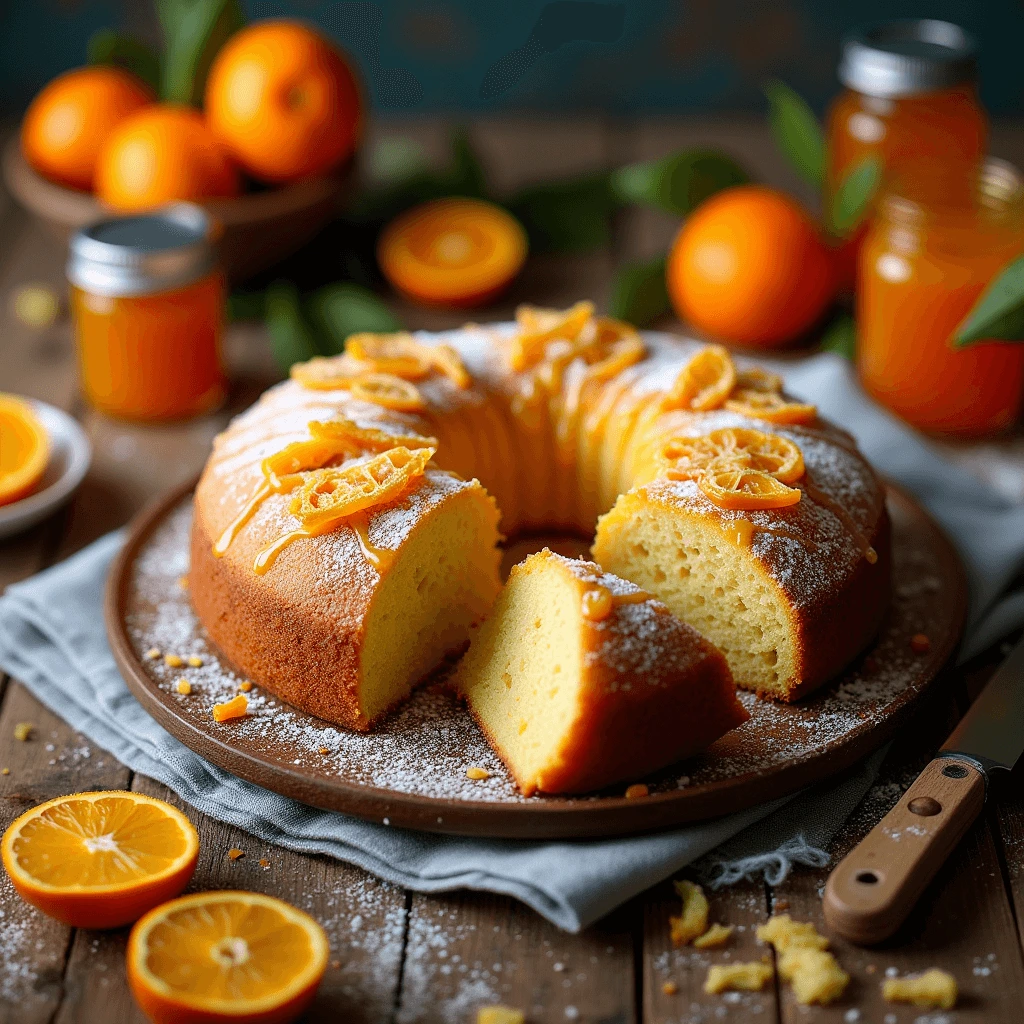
<point x="705" y="382"/>
<point x="389" y="391"/>
<point x="398" y="354"/>
<point x="770" y="406"/>
<point x="730" y="484"/>
<point x="686" y="458"/>
<point x="327" y="373"/>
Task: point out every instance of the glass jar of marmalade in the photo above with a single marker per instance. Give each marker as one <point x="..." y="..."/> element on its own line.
<point x="148" y="301"/>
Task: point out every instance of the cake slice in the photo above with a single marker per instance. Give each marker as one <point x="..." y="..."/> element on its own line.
<point x="579" y="679"/>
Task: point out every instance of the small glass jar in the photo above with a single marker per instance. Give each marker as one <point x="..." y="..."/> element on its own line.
<point x="910" y="96"/>
<point x="939" y="237"/>
<point x="148" y="301"/>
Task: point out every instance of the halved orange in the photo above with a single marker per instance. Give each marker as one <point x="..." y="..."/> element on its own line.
<point x="225" y="956"/>
<point x="100" y="860"/>
<point x="387" y="390"/>
<point x="704" y="382"/>
<point x="731" y="484"/>
<point x="770" y="406"/>
<point x="24" y="449"/>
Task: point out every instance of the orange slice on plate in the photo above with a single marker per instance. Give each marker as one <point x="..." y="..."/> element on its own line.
<point x="770" y="406"/>
<point x="686" y="458"/>
<point x="100" y="860"/>
<point x="731" y="484"/>
<point x="387" y="390"/>
<point x="704" y="382"/>
<point x="24" y="449"/>
<point x="225" y="956"/>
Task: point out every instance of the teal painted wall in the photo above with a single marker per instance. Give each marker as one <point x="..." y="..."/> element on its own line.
<point x="488" y="55"/>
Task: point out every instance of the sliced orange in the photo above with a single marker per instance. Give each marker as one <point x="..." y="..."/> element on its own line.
<point x="539" y="327"/>
<point x="758" y="379"/>
<point x="329" y="495"/>
<point x="770" y="406"/>
<point x="704" y="382"/>
<point x="730" y="484"/>
<point x="398" y="354"/>
<point x="100" y="860"/>
<point x="389" y="391"/>
<point x="24" y="449"/>
<point x="225" y="956"/>
<point x="686" y="458"/>
<point x="328" y="373"/>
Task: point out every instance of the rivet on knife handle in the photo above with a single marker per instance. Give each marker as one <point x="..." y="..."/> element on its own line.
<point x="873" y="889"/>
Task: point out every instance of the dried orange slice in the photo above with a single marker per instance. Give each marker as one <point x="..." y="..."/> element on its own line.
<point x="357" y="439"/>
<point x="767" y="405"/>
<point x="398" y="354"/>
<point x="100" y="860"/>
<point x="389" y="391"/>
<point x="328" y="373"/>
<point x="758" y="379"/>
<point x="704" y="382"/>
<point x="445" y="359"/>
<point x="539" y="327"/>
<point x="730" y="484"/>
<point x="24" y="449"/>
<point x="616" y="347"/>
<point x="686" y="458"/>
<point x="225" y="956"/>
<point x="329" y="495"/>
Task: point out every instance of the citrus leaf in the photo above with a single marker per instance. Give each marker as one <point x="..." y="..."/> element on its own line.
<point x="339" y="310"/>
<point x="999" y="312"/>
<point x="291" y="340"/>
<point x="639" y="295"/>
<point x="566" y="216"/>
<point x="194" y="30"/>
<point x="841" y="336"/>
<point x="678" y="183"/>
<point x="247" y="305"/>
<point x="121" y="51"/>
<point x="396" y="160"/>
<point x="467" y="174"/>
<point x="854" y="195"/>
<point x="797" y="131"/>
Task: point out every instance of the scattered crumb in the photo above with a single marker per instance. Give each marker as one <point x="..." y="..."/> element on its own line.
<point x="499" y="1015"/>
<point x="637" y="791"/>
<point x="783" y="932"/>
<point x="153" y="653"/>
<point x="264" y="863"/>
<point x="670" y="988"/>
<point x="195" y="661"/>
<point x="716" y="935"/>
<point x="934" y="989"/>
<point x="5" y="771"/>
<point x="814" y="975"/>
<point x="245" y="686"/>
<point x="694" y="919"/>
<point x="781" y="905"/>
<point x="323" y="750"/>
<point x="737" y="978"/>
<point x="184" y="687"/>
<point x="183" y="582"/>
<point x="234" y="853"/>
<point x="335" y="964"/>
<point x="871" y="968"/>
<point x="172" y="661"/>
<point x="23" y="731"/>
<point x="234" y="708"/>
<point x="477" y="773"/>
<point x="920" y="644"/>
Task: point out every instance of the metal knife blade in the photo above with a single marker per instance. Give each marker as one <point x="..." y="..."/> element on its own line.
<point x="992" y="732"/>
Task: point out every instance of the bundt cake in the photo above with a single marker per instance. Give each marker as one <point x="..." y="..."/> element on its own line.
<point x="579" y="679"/>
<point x="344" y="543"/>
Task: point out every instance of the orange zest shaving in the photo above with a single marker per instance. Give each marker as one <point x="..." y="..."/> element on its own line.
<point x="686" y="458"/>
<point x="730" y="484"/>
<point x="234" y="708"/>
<point x="770" y="406"/>
<point x="387" y="390"/>
<point x="705" y="382"/>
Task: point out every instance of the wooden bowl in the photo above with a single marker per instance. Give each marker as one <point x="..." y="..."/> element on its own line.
<point x="260" y="228"/>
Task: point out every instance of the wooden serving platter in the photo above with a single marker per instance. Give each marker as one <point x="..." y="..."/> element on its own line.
<point x="411" y="773"/>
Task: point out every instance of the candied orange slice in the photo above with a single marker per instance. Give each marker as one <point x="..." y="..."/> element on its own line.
<point x="616" y="347"/>
<point x="758" y="379"/>
<point x="225" y="956"/>
<point x="767" y="405"/>
<point x="539" y="327"/>
<point x="686" y="458"/>
<point x="329" y="495"/>
<point x="389" y="391"/>
<point x="24" y="449"/>
<point x="398" y="354"/>
<point x="328" y="373"/>
<point x="731" y="484"/>
<point x="704" y="382"/>
<point x="357" y="440"/>
<point x="100" y="860"/>
<point x="445" y="359"/>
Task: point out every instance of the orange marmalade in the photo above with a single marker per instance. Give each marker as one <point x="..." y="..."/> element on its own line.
<point x="148" y="305"/>
<point x="939" y="238"/>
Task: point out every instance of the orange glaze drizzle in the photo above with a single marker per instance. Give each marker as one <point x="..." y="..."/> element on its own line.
<point x="266" y="558"/>
<point x="739" y="531"/>
<point x="599" y="602"/>
<point x="224" y="542"/>
<point x="380" y="558"/>
<point x="819" y="497"/>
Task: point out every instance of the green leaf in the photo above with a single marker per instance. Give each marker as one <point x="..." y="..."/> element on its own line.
<point x="797" y="131"/>
<point x="854" y="195"/>
<point x="121" y="51"/>
<point x="998" y="314"/>
<point x="678" y="183"/>
<point x="247" y="306"/>
<point x="396" y="160"/>
<point x="467" y="174"/>
<point x="291" y="340"/>
<point x="566" y="216"/>
<point x="639" y="293"/>
<point x="339" y="310"/>
<point x="841" y="336"/>
<point x="194" y="30"/>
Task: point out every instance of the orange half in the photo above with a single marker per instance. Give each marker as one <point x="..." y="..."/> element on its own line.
<point x="225" y="956"/>
<point x="24" y="449"/>
<point x="100" y="860"/>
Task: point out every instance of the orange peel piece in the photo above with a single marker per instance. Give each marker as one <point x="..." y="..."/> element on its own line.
<point x="732" y="485"/>
<point x="705" y="382"/>
<point x="389" y="391"/>
<point x="359" y="439"/>
<point x="330" y="495"/>
<point x="770" y="406"/>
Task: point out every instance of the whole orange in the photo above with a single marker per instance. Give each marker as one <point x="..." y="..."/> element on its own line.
<point x="284" y="101"/>
<point x="748" y="266"/>
<point x="66" y="125"/>
<point x="161" y="154"/>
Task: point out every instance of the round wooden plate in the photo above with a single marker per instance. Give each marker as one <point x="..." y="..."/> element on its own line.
<point x="411" y="772"/>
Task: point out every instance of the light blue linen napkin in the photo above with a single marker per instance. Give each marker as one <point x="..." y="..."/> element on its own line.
<point x="52" y="639"/>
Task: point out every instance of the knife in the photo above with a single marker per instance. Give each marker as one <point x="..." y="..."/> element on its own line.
<point x="873" y="889"/>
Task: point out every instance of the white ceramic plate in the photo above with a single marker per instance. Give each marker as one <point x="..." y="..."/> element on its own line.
<point x="70" y="455"/>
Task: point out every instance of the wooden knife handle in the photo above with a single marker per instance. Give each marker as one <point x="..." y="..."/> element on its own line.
<point x="874" y="887"/>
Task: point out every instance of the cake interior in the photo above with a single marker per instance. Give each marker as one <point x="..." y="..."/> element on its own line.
<point x="709" y="582"/>
<point x="444" y="580"/>
<point x="523" y="672"/>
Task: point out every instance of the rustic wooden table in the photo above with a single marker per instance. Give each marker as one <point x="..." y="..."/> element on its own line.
<point x="399" y="955"/>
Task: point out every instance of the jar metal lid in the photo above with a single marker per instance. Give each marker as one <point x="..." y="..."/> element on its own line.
<point x="144" y="254"/>
<point x="908" y="57"/>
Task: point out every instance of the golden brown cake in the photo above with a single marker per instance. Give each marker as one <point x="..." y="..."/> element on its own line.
<point x="354" y="509"/>
<point x="579" y="679"/>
